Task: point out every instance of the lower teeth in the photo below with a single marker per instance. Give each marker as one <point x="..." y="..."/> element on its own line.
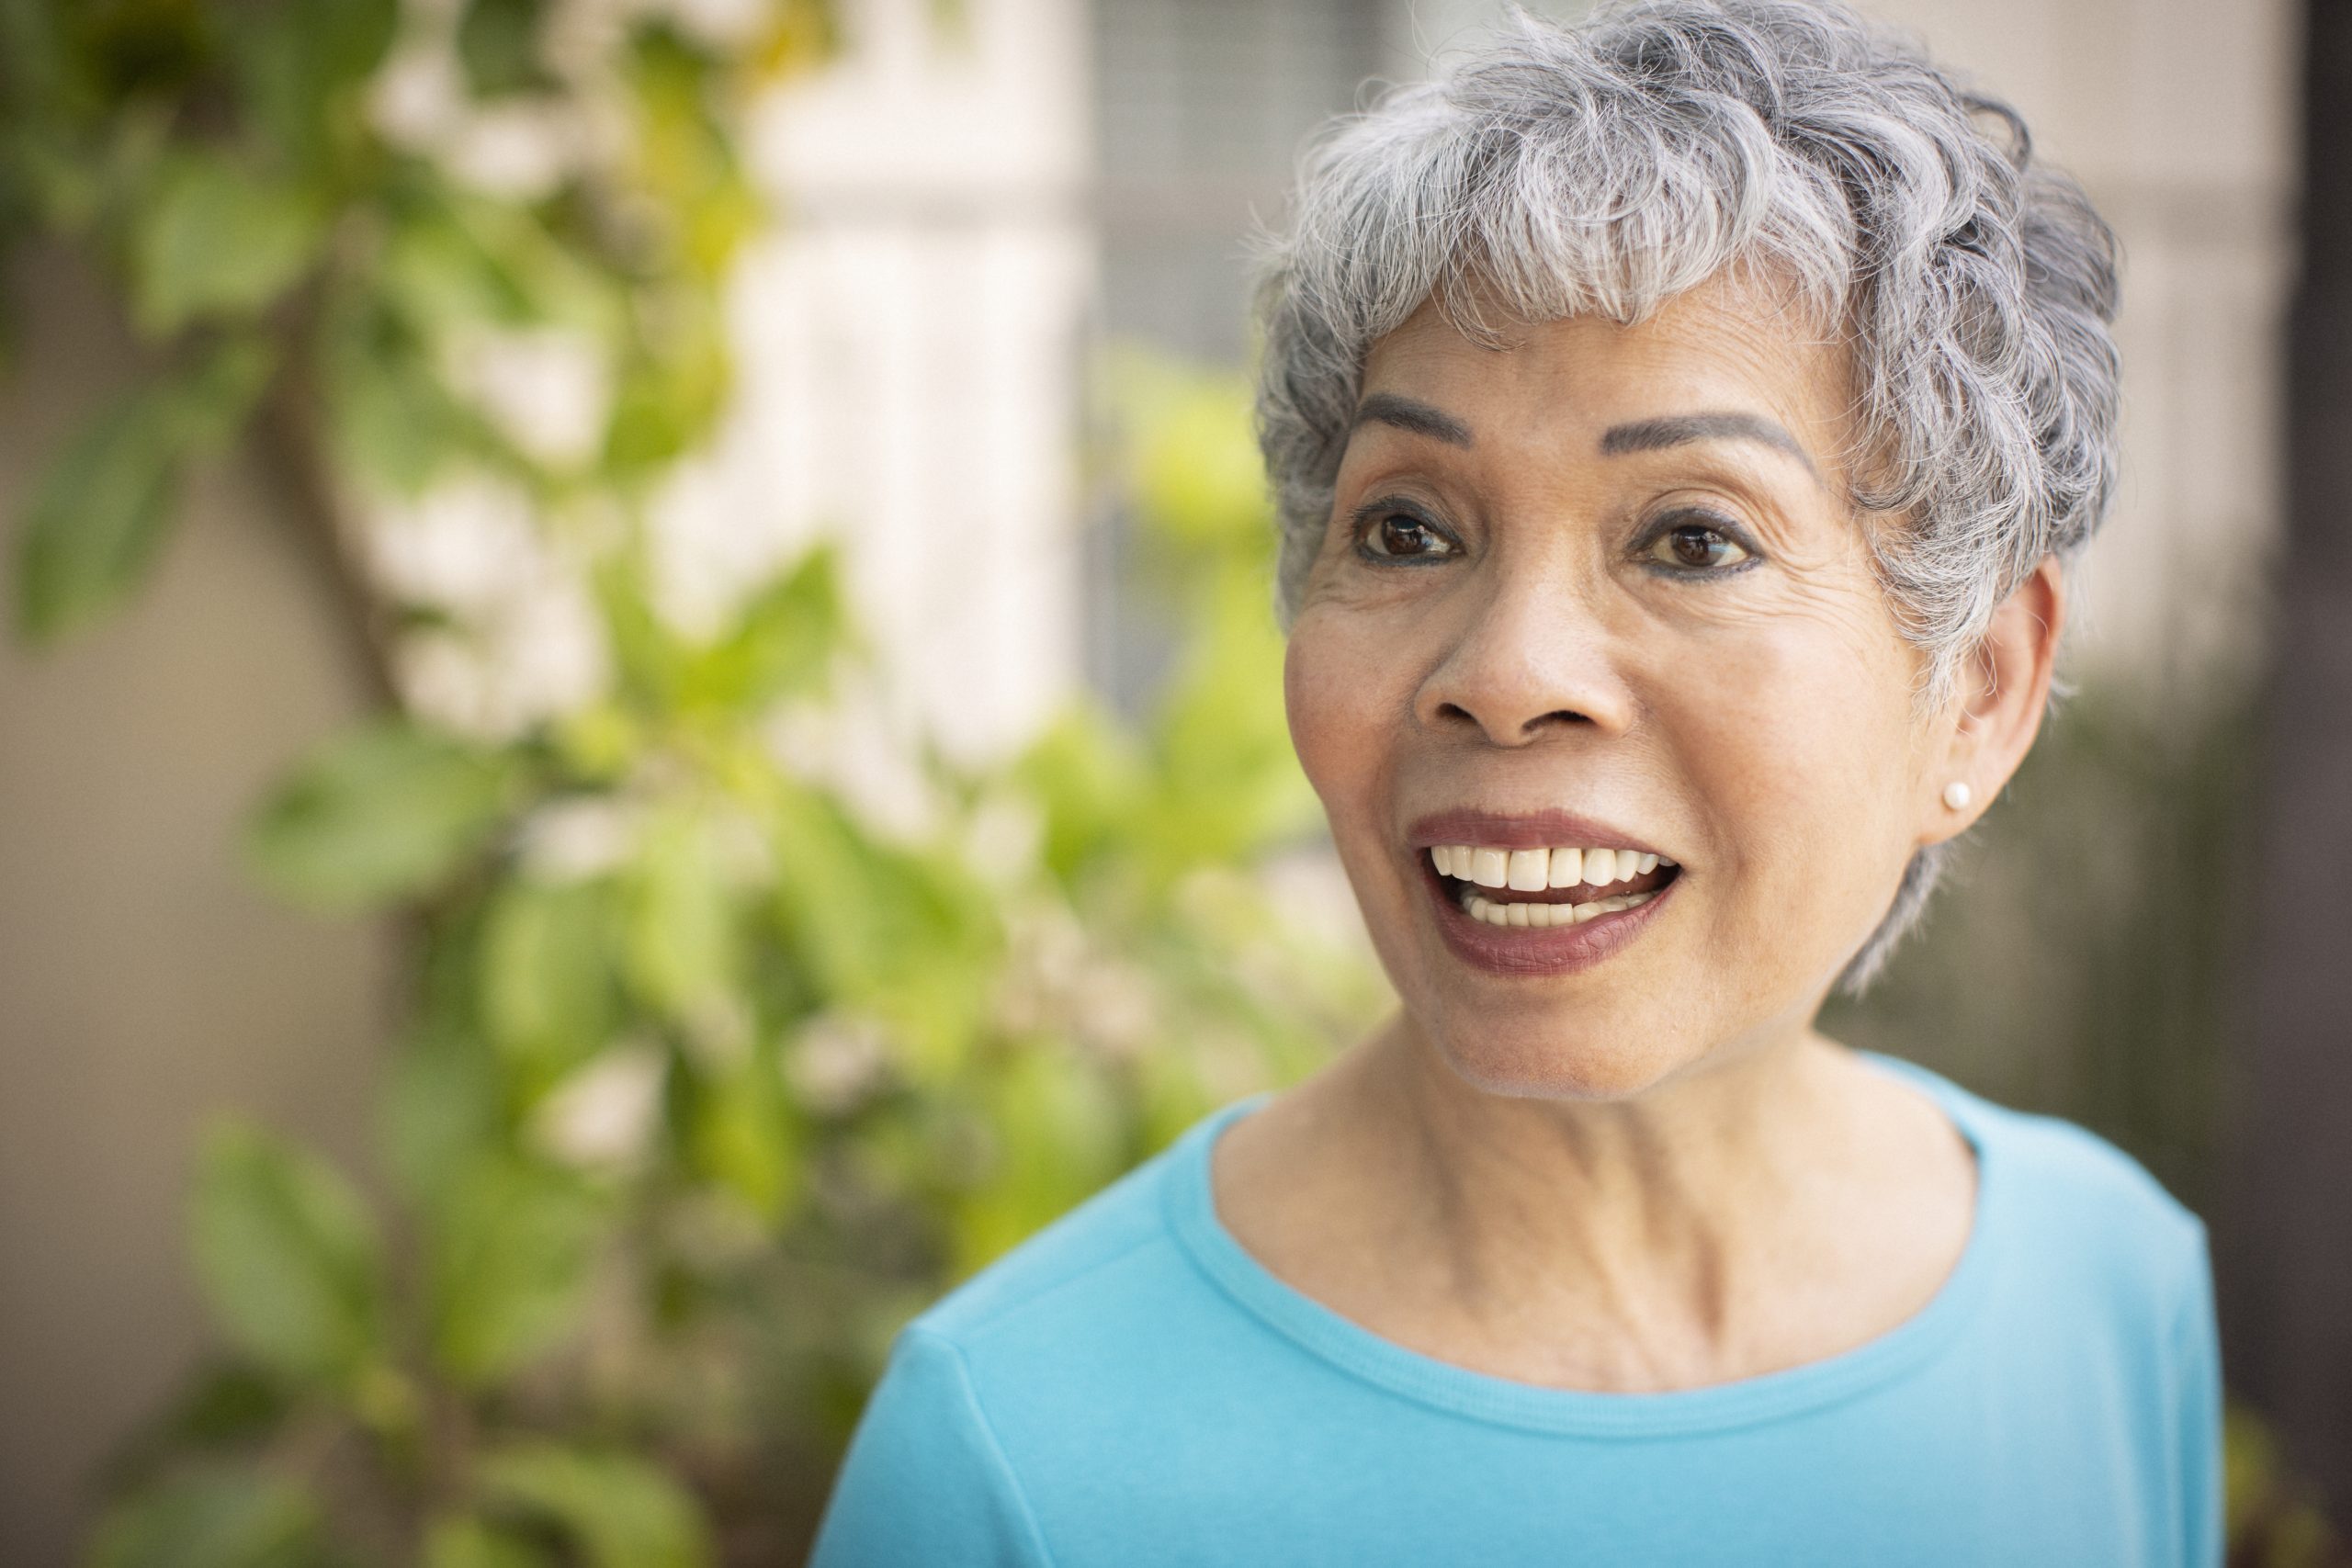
<point x="1538" y="915"/>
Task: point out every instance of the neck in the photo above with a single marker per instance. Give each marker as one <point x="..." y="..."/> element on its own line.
<point x="1646" y="1228"/>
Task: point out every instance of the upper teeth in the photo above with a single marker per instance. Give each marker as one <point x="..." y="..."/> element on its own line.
<point x="1529" y="870"/>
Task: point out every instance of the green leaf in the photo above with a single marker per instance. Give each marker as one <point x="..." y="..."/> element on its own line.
<point x="619" y="1511"/>
<point x="682" y="931"/>
<point x="799" y="36"/>
<point x="98" y="517"/>
<point x="58" y="184"/>
<point x="498" y="43"/>
<point x="819" y="852"/>
<point x="653" y="660"/>
<point x="672" y="387"/>
<point x="510" y="1257"/>
<point x="547" y="974"/>
<point x="441" y="1111"/>
<point x="1229" y="783"/>
<point x="1058" y="1136"/>
<point x="287" y="1255"/>
<point x="381" y="813"/>
<point x="302" y="64"/>
<point x="96" y="522"/>
<point x="781" y="644"/>
<point x="213" y="399"/>
<point x="225" y="1405"/>
<point x="457" y="258"/>
<point x="1092" y="783"/>
<point x="743" y="1134"/>
<point x="136" y="51"/>
<point x="393" y="423"/>
<point x="213" y="1519"/>
<point x="219" y="238"/>
<point x="685" y="163"/>
<point x="435" y="270"/>
<point x="464" y="1541"/>
<point x="917" y="949"/>
<point x="1198" y="472"/>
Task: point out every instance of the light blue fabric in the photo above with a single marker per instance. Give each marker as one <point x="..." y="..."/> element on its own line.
<point x="1131" y="1389"/>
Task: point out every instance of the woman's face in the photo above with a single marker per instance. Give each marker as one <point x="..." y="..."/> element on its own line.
<point x="1602" y="591"/>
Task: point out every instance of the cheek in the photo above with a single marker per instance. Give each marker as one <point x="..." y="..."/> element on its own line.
<point x="1350" y="712"/>
<point x="1801" y="746"/>
<point x="1329" y="692"/>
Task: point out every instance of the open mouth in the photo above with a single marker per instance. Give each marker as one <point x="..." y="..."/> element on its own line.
<point x="1543" y="888"/>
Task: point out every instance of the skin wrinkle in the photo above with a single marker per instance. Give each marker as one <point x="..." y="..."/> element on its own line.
<point x="1655" y="1173"/>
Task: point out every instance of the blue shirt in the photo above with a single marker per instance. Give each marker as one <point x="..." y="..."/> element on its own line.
<point x="1131" y="1389"/>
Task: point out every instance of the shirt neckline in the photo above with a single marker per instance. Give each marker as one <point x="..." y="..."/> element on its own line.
<point x="1340" y="1341"/>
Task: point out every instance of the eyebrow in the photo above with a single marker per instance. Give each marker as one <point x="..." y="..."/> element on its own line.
<point x="1642" y="435"/>
<point x="1678" y="430"/>
<point x="1407" y="414"/>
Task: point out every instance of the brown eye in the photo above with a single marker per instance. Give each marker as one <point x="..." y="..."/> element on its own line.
<point x="1401" y="536"/>
<point x="1694" y="547"/>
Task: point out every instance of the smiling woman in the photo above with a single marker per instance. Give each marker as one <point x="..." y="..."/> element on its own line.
<point x="1601" y="569"/>
<point x="1683" y="424"/>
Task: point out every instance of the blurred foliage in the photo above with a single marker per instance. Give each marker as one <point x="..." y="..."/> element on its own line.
<point x="2274" y="1519"/>
<point x="706" y="1082"/>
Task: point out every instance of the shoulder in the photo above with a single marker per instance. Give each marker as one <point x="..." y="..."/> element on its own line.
<point x="1071" y="1269"/>
<point x="2108" y="1276"/>
<point x="2080" y="1181"/>
<point x="2079" y="1209"/>
<point x="926" y="1479"/>
<point x="1109" y="1294"/>
<point x="988" y="1390"/>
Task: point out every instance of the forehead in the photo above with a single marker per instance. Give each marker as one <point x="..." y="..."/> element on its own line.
<point x="1722" y="345"/>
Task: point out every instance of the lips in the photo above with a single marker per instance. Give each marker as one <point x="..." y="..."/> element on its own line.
<point x="1536" y="830"/>
<point x="1527" y="925"/>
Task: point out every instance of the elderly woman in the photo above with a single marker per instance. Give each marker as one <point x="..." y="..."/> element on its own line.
<point x="1681" y="424"/>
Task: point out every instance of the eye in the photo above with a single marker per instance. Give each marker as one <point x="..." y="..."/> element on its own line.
<point x="1697" y="543"/>
<point x="1400" y="535"/>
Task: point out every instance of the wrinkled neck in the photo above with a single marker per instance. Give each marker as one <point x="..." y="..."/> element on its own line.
<point x="1660" y="1207"/>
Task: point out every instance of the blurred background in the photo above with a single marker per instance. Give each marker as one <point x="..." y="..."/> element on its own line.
<point x="642" y="723"/>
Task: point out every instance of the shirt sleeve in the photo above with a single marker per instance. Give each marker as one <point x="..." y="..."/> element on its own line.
<point x="2197" y="1362"/>
<point x="925" y="1480"/>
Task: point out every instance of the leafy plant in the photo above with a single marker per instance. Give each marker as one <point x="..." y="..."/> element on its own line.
<point x="706" y="1081"/>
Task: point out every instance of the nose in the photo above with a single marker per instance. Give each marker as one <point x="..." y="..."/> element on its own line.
<point x="1533" y="659"/>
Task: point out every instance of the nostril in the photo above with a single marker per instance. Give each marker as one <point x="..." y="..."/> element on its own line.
<point x="1558" y="716"/>
<point x="1449" y="714"/>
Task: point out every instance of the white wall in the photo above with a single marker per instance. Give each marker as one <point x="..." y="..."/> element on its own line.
<point x="910" y="355"/>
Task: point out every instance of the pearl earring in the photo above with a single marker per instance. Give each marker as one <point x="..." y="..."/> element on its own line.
<point x="1957" y="796"/>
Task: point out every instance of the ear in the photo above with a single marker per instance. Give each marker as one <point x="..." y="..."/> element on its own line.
<point x="1996" y="712"/>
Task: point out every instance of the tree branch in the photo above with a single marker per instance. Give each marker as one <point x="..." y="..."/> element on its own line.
<point x="286" y="439"/>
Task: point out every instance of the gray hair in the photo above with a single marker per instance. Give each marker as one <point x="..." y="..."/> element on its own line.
<point x="1607" y="166"/>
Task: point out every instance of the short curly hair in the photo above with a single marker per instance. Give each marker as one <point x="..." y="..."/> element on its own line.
<point x="1606" y="167"/>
